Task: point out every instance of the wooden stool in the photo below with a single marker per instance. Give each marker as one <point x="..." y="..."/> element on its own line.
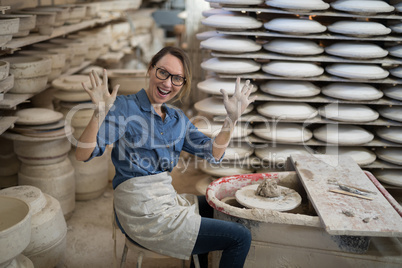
<point x="146" y="253"/>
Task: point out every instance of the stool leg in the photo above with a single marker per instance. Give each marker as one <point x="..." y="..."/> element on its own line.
<point x="139" y="259"/>
<point x="196" y="261"/>
<point x="123" y="257"/>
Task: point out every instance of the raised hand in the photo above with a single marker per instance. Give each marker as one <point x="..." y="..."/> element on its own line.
<point x="99" y="93"/>
<point x="237" y="104"/>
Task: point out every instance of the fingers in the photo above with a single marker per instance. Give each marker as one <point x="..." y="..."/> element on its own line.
<point x="225" y="95"/>
<point x="105" y="79"/>
<point x="115" y="90"/>
<point x="247" y="87"/>
<point x="237" y="88"/>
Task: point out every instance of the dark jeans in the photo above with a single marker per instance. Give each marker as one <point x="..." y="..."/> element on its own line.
<point x="231" y="237"/>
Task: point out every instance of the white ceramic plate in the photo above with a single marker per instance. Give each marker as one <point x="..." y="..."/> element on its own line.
<point x="230" y="66"/>
<point x="352" y="91"/>
<point x="362" y="6"/>
<point x="287" y="110"/>
<point x="216" y="11"/>
<point x="72" y="82"/>
<point x="389" y="176"/>
<point x="362" y="156"/>
<point x="393" y="113"/>
<point x="214" y="86"/>
<point x="232" y="22"/>
<point x="280" y="152"/>
<point x="343" y="134"/>
<point x="293" y="69"/>
<point x="398" y="7"/>
<point x="297" y="5"/>
<point x="214" y="106"/>
<point x="395" y="51"/>
<point x="37" y="116"/>
<point x="224" y="169"/>
<point x="231" y="44"/>
<point x="391" y="155"/>
<point x="294" y="26"/>
<point x="356" y="50"/>
<point x="238" y="151"/>
<point x="359" y="28"/>
<point x="288" y="200"/>
<point x="394" y="92"/>
<point x="71" y="96"/>
<point x="293" y="47"/>
<point x="348" y="112"/>
<point x="237" y="2"/>
<point x="291" y="89"/>
<point x="283" y="132"/>
<point x="393" y="133"/>
<point x="208" y="34"/>
<point x="212" y="128"/>
<point x="357" y="71"/>
<point x="397" y="72"/>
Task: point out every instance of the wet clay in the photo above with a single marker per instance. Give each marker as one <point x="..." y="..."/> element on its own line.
<point x="268" y="188"/>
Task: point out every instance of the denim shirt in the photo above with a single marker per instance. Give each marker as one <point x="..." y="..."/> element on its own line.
<point x="144" y="144"/>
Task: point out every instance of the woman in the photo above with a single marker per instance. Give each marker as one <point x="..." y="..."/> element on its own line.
<point x="148" y="136"/>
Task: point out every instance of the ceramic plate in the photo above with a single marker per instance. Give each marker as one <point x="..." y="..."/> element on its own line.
<point x="395" y="51"/>
<point x="224" y="169"/>
<point x="398" y="7"/>
<point x="359" y="28"/>
<point x="391" y="155"/>
<point x="232" y="22"/>
<point x="357" y="71"/>
<point x="237" y="2"/>
<point x="293" y="47"/>
<point x="283" y="132"/>
<point x="393" y="113"/>
<point x="280" y="152"/>
<point x="214" y="86"/>
<point x="297" y="5"/>
<point x="397" y="72"/>
<point x="71" y="96"/>
<point x="291" y="89"/>
<point x="288" y="200"/>
<point x="362" y="156"/>
<point x="238" y="151"/>
<point x="356" y="50"/>
<point x="72" y="82"/>
<point x="362" y="6"/>
<point x="212" y="128"/>
<point x="208" y="34"/>
<point x="231" y="44"/>
<point x="293" y="69"/>
<point x="352" y="91"/>
<point x="37" y="116"/>
<point x="230" y="66"/>
<point x="393" y="134"/>
<point x="389" y="176"/>
<point x="294" y="26"/>
<point x="214" y="106"/>
<point x="343" y="134"/>
<point x="394" y="92"/>
<point x="348" y="112"/>
<point x="41" y="127"/>
<point x="216" y="11"/>
<point x="287" y="110"/>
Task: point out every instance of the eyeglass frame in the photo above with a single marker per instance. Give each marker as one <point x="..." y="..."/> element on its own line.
<point x="170" y="75"/>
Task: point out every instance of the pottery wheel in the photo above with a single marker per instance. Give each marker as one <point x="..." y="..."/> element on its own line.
<point x="288" y="200"/>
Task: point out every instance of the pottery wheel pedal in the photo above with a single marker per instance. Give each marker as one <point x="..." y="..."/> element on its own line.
<point x="349" y="205"/>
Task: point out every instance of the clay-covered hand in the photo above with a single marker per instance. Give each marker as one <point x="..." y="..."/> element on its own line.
<point x="237" y="104"/>
<point x="100" y="94"/>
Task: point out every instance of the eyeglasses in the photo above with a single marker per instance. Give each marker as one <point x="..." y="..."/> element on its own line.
<point x="162" y="74"/>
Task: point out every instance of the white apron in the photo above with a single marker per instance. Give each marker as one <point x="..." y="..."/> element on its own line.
<point x="155" y="216"/>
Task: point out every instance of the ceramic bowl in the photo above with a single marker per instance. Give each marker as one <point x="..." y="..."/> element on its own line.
<point x="230" y="66"/>
<point x="58" y="61"/>
<point x="214" y="85"/>
<point x="45" y="21"/>
<point x="291" y="89"/>
<point x="231" y="44"/>
<point x="357" y="71"/>
<point x="62" y="14"/>
<point x="27" y="23"/>
<point x="76" y="13"/>
<point x="283" y="132"/>
<point x="356" y="50"/>
<point x="92" y="10"/>
<point x="295" y="26"/>
<point x="343" y="134"/>
<point x="287" y="110"/>
<point x="359" y="28"/>
<point x="4" y="69"/>
<point x="362" y="7"/>
<point x="30" y="85"/>
<point x="352" y="91"/>
<point x="29" y="66"/>
<point x="394" y="92"/>
<point x="232" y="22"/>
<point x="293" y="47"/>
<point x="293" y="69"/>
<point x="296" y="5"/>
<point x="8" y="27"/>
<point x="348" y="112"/>
<point x="15" y="228"/>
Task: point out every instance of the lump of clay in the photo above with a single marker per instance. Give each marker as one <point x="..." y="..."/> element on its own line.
<point x="268" y="188"/>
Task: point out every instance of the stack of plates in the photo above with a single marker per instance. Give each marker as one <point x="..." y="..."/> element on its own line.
<point x="390" y="155"/>
<point x="348" y="112"/>
<point x="290" y="89"/>
<point x="343" y="134"/>
<point x="362" y="156"/>
<point x="297" y="5"/>
<point x="214" y="106"/>
<point x="287" y="110"/>
<point x="231" y="44"/>
<point x="393" y="134"/>
<point x="363" y="7"/>
<point x="389" y="176"/>
<point x="70" y="88"/>
<point x="208" y="34"/>
<point x="359" y="28"/>
<point x="283" y="132"/>
<point x="356" y="50"/>
<point x="293" y="47"/>
<point x="357" y="71"/>
<point x="394" y="92"/>
<point x="293" y="69"/>
<point x="214" y="85"/>
<point x="212" y="128"/>
<point x="230" y="66"/>
<point x="393" y="113"/>
<point x="295" y="26"/>
<point x="232" y="22"/>
<point x="352" y="91"/>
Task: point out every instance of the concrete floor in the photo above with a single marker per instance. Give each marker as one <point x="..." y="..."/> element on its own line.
<point x="89" y="236"/>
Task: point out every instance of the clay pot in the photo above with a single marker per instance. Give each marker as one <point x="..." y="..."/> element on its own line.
<point x="62" y="14"/>
<point x="77" y="13"/>
<point x="27" y="23"/>
<point x="56" y="180"/>
<point x="130" y="81"/>
<point x="45" y="21"/>
<point x="7" y="83"/>
<point x="67" y="51"/>
<point x="91" y="178"/>
<point x="4" y="69"/>
<point x="8" y="27"/>
<point x="48" y="226"/>
<point x="58" y="61"/>
<point x="15" y="228"/>
<point x="79" y="49"/>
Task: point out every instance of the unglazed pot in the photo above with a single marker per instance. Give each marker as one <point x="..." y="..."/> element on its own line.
<point x="8" y="27"/>
<point x="58" y="61"/>
<point x="48" y="226"/>
<point x="4" y="69"/>
<point x="15" y="228"/>
<point x="27" y="23"/>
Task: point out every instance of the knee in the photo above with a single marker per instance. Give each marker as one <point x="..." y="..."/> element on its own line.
<point x="244" y="234"/>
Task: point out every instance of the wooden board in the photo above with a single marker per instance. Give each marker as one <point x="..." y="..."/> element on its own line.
<point x="318" y="174"/>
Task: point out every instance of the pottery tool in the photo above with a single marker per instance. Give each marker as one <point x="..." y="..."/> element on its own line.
<point x="325" y="179"/>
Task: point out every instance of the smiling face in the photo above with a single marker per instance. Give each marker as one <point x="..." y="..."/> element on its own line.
<point x="161" y="91"/>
